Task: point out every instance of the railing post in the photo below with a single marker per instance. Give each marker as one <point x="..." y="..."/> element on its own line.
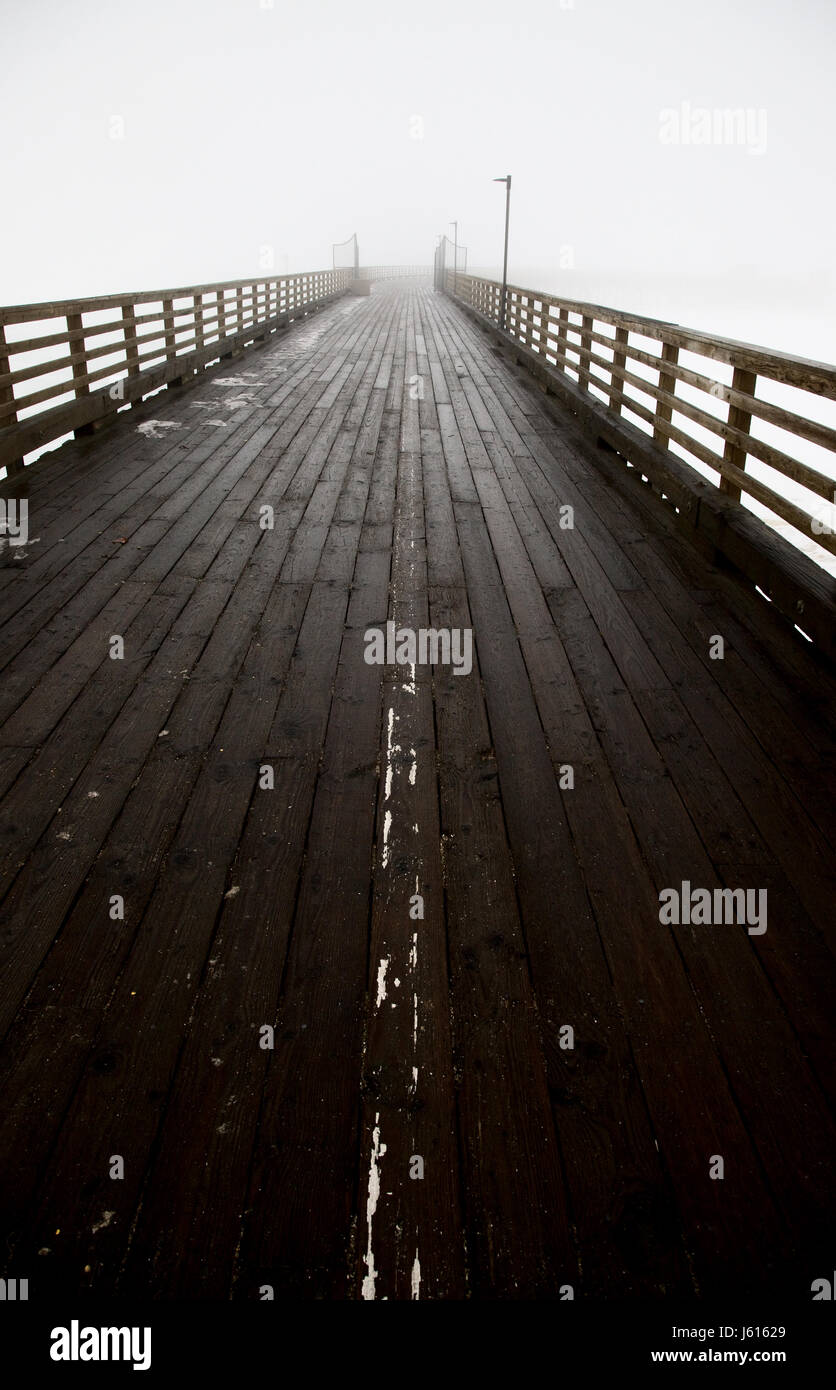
<point x="168" y="321"/>
<point x="220" y="314"/>
<point x="171" y="345"/>
<point x="619" y="362"/>
<point x="7" y="398"/>
<point x="129" y="339"/>
<point x="545" y="311"/>
<point x="239" y="319"/>
<point x="529" y="322"/>
<point x="667" y="382"/>
<point x="739" y="419"/>
<point x="75" y="328"/>
<point x="562" y="337"/>
<point x="585" y="349"/>
<point x="198" y="321"/>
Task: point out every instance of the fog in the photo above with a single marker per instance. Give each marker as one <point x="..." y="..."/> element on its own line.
<point x="177" y="142"/>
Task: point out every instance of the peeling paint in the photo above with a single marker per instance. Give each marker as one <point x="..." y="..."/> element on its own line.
<point x="378" y="1151"/>
<point x="381" y="981"/>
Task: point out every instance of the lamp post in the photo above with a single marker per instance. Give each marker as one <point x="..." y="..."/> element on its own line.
<point x="455" y="227"/>
<point x="507" y="182"/>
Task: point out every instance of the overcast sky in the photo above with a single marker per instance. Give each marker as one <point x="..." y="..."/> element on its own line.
<point x="169" y="142"/>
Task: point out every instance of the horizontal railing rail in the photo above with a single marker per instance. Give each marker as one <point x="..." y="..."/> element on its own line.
<point x="634" y="366"/>
<point x="67" y="364"/>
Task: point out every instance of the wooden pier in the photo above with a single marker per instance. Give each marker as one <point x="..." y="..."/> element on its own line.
<point x="329" y="979"/>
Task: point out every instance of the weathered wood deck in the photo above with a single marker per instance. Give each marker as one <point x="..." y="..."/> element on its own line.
<point x="396" y="1037"/>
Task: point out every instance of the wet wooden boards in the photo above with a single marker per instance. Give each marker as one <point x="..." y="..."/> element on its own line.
<point x="329" y="979"/>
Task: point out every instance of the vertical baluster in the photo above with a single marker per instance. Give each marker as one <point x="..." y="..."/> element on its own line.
<point x="586" y="347"/>
<point x="239" y="319"/>
<point x="512" y="312"/>
<point x="186" y="373"/>
<point x="220" y="304"/>
<point x="7" y="401"/>
<point x="667" y="382"/>
<point x="168" y="324"/>
<point x="562" y="337"/>
<point x="198" y="322"/>
<point x="619" y="362"/>
<point x="739" y="419"/>
<point x="545" y="310"/>
<point x="529" y="321"/>
<point x="75" y="325"/>
<point x="129" y="338"/>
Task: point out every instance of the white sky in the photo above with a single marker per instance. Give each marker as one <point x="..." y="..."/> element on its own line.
<point x="292" y="126"/>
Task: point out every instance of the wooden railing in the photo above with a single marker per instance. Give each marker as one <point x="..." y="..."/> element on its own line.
<point x="66" y="365"/>
<point x="704" y="421"/>
<point x="609" y="353"/>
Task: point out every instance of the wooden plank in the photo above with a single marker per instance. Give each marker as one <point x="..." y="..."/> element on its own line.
<point x="285" y="470"/>
<point x="244" y="717"/>
<point x="223" y="446"/>
<point x="537" y="626"/>
<point x="414" y="1234"/>
<point x="543" y="1166"/>
<point x="604" y="1095"/>
<point x="307" y="1142"/>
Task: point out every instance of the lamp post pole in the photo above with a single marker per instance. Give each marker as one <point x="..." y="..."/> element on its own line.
<point x="455" y="227"/>
<point x="507" y="182"/>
